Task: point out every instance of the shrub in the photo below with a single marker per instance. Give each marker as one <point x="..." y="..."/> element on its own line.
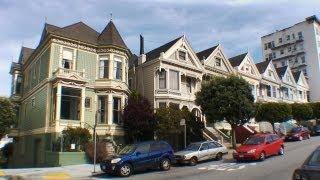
<point x="101" y="151"/>
<point x="78" y="136"/>
<point x="301" y="111"/>
<point x="273" y="112"/>
<point x="315" y="109"/>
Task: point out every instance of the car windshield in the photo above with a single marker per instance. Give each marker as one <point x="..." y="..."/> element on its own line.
<point x="127" y="149"/>
<point x="296" y="130"/>
<point x="254" y="140"/>
<point x="193" y="147"/>
<point x="315" y="159"/>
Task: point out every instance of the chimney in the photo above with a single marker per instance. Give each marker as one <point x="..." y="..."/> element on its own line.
<point x="141" y="45"/>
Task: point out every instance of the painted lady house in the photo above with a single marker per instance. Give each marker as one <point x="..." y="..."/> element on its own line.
<point x="73" y="72"/>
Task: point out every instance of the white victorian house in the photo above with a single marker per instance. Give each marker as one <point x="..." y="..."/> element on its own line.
<point x="288" y="84"/>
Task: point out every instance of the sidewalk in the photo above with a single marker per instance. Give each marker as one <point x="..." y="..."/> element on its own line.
<point x="83" y="171"/>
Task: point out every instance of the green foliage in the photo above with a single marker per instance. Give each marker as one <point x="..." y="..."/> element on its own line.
<point x="301" y="111"/>
<point x="226" y="98"/>
<point x="273" y="112"/>
<point x="168" y="122"/>
<point x="138" y="119"/>
<point x="316" y="109"/>
<point x="194" y="126"/>
<point x="79" y="136"/>
<point x="7" y="115"/>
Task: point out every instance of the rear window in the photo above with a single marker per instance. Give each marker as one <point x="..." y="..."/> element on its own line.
<point x="315" y="159"/>
<point x="254" y="140"/>
<point x="143" y="148"/>
<point x="157" y="146"/>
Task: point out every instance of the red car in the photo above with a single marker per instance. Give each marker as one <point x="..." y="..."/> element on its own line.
<point x="298" y="134"/>
<point x="259" y="146"/>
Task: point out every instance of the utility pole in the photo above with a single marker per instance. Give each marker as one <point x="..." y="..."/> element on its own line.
<point x="95" y="141"/>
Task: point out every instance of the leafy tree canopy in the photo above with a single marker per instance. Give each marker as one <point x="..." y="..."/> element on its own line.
<point x="316" y="109"/>
<point x="301" y="111"/>
<point x="273" y="112"/>
<point x="7" y="115"/>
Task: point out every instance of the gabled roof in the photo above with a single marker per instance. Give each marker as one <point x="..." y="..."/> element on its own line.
<point x="111" y="36"/>
<point x="262" y="66"/>
<point x="155" y="53"/>
<point x="296" y="75"/>
<point x="236" y="60"/>
<point x="281" y="71"/>
<point x="25" y="54"/>
<point x="206" y="53"/>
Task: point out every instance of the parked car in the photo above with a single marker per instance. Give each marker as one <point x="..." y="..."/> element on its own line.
<point x="316" y="130"/>
<point x="298" y="134"/>
<point x="259" y="146"/>
<point x="310" y="169"/>
<point x="201" y="151"/>
<point x="140" y="156"/>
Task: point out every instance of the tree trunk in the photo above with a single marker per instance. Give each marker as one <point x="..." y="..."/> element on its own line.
<point x="233" y="137"/>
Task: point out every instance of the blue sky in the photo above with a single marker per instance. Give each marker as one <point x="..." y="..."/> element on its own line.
<point x="236" y="24"/>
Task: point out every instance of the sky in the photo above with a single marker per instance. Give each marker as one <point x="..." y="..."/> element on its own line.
<point x="236" y="24"/>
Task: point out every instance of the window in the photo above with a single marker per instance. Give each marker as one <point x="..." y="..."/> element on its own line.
<point x="283" y="63"/>
<point x="293" y="36"/>
<point x="189" y="84"/>
<point x="117" y="70"/>
<point x="182" y="55"/>
<point x="130" y="83"/>
<point x="294" y="47"/>
<point x="305" y="72"/>
<point x="303" y="59"/>
<point x="87" y="102"/>
<point x="274" y="55"/>
<point x="67" y="58"/>
<point x="70" y="103"/>
<point x="286" y="93"/>
<point x="288" y="37"/>
<point x="117" y="110"/>
<point x="265" y="46"/>
<point x="269" y="91"/>
<point x="296" y="60"/>
<point x="212" y="145"/>
<point x="174" y="80"/>
<point x="274" y="91"/>
<point x="102" y="118"/>
<point x="18" y="84"/>
<point x="280" y="40"/>
<point x="300" y="35"/>
<point x="289" y="48"/>
<point x="288" y="78"/>
<point x="270" y="73"/>
<point x="162" y="104"/>
<point x="162" y="79"/>
<point x="204" y="146"/>
<point x="275" y="137"/>
<point x="272" y="44"/>
<point x="174" y="105"/>
<point x="143" y="148"/>
<point x="218" y="62"/>
<point x="103" y="66"/>
<point x="281" y="51"/>
<point x="33" y="102"/>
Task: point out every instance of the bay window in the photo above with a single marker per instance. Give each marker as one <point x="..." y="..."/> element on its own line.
<point x="174" y="80"/>
<point x="104" y="67"/>
<point x="117" y="110"/>
<point x="102" y="106"/>
<point x="117" y="69"/>
<point x="162" y="79"/>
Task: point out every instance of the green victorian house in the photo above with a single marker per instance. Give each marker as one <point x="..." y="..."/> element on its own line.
<point x="73" y="72"/>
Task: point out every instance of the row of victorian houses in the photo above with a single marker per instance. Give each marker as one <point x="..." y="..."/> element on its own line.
<point x="76" y="72"/>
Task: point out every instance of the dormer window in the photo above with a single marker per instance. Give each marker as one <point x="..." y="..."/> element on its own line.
<point x="67" y="58"/>
<point x="218" y="62"/>
<point x="182" y="55"/>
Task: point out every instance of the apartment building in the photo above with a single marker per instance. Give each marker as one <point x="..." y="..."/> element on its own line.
<point x="74" y="75"/>
<point x="297" y="47"/>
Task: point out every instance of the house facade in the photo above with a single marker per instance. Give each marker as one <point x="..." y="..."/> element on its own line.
<point x="74" y="77"/>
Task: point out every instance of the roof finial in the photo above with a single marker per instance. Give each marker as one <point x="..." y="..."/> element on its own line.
<point x="45" y="19"/>
<point x="111" y="16"/>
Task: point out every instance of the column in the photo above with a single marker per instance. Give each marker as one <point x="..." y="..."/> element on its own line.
<point x="123" y="103"/>
<point x="110" y="109"/>
<point x="83" y="97"/>
<point x="58" y="104"/>
<point x="167" y="79"/>
<point x="111" y="66"/>
<point x="123" y="64"/>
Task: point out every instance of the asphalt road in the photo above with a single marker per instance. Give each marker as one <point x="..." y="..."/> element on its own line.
<point x="273" y="168"/>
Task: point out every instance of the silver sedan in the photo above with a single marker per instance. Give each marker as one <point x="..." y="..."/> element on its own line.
<point x="201" y="151"/>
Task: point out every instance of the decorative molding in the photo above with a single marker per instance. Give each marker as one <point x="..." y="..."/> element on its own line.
<point x="74" y="45"/>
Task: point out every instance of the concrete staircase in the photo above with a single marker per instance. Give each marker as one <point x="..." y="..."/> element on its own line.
<point x="211" y="133"/>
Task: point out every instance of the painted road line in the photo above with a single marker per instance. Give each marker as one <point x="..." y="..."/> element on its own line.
<point x="226" y="166"/>
<point x="2" y="173"/>
<point x="56" y="175"/>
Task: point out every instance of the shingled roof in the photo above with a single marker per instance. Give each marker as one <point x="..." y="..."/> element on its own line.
<point x="206" y="53"/>
<point x="281" y="71"/>
<point x="82" y="32"/>
<point x="25" y="53"/>
<point x="262" y="66"/>
<point x="155" y="53"/>
<point x="236" y="60"/>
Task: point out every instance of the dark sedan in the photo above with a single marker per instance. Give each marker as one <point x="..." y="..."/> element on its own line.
<point x="310" y="169"/>
<point x="298" y="134"/>
<point x="316" y="130"/>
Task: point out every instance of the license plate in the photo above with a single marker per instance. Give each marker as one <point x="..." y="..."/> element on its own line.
<point x="290" y="138"/>
<point x="241" y="155"/>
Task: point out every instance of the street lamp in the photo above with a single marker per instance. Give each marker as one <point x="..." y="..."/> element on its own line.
<point x="183" y="123"/>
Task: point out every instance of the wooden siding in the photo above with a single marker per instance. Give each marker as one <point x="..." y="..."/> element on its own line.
<point x="88" y="62"/>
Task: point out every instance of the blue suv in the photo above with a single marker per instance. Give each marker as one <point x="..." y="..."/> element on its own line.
<point x="140" y="156"/>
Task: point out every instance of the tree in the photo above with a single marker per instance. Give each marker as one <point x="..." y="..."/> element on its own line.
<point x="273" y="112"/>
<point x="301" y="112"/>
<point x="315" y="109"/>
<point x="7" y="115"/>
<point x="194" y="126"/>
<point x="227" y="98"/>
<point x="138" y="118"/>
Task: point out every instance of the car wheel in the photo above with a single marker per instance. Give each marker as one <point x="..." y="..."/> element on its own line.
<point x="125" y="170"/>
<point x="165" y="164"/>
<point x="219" y="156"/>
<point x="262" y="156"/>
<point x="193" y="161"/>
<point x="300" y="138"/>
<point x="281" y="151"/>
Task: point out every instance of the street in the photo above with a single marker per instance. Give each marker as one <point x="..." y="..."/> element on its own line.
<point x="273" y="168"/>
